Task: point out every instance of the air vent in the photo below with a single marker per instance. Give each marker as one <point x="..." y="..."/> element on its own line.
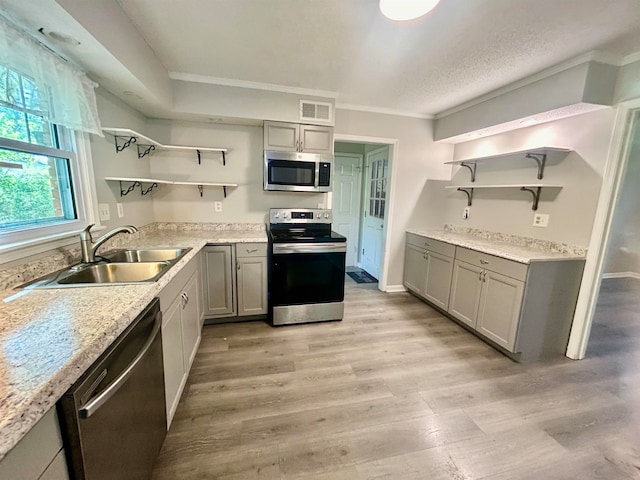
<point x="317" y="111"/>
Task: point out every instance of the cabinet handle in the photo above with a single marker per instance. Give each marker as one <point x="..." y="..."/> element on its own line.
<point x="484" y="276"/>
<point x="237" y="266"/>
<point x="253" y="250"/>
<point x="480" y="275"/>
<point x="484" y="262"/>
<point x="427" y="244"/>
<point x="186" y="296"/>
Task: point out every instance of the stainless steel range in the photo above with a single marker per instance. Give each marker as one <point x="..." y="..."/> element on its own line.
<point x="306" y="267"/>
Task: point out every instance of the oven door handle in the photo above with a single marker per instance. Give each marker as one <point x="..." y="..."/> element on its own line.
<point x="283" y="248"/>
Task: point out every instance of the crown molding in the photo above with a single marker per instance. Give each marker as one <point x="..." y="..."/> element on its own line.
<point x="631" y="58"/>
<point x="386" y="111"/>
<point x="232" y="82"/>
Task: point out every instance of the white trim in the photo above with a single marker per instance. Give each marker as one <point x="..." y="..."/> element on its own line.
<point x="394" y="145"/>
<point x="612" y="181"/>
<point x="631" y="58"/>
<point x="386" y="111"/>
<point x="395" y="289"/>
<point x="232" y="82"/>
<point x="621" y="275"/>
<point x="599" y="57"/>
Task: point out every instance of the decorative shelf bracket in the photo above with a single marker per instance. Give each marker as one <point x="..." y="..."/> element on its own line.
<point x="541" y="160"/>
<point x="126" y="142"/>
<point x="472" y="169"/>
<point x="129" y="189"/>
<point x="199" y="162"/>
<point x="200" y="189"/>
<point x="149" y="189"/>
<point x="469" y="192"/>
<point x="224" y="159"/>
<point x="224" y="190"/>
<point x="144" y="150"/>
<point x="536" y="195"/>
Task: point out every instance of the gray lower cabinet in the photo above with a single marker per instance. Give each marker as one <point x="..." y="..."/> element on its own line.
<point x="219" y="278"/>
<point x="39" y="455"/>
<point x="525" y="310"/>
<point x="428" y="269"/>
<point x="235" y="281"/>
<point x="181" y="306"/>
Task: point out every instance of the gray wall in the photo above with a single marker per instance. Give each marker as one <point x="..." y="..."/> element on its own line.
<point x="623" y="253"/>
<point x="571" y="209"/>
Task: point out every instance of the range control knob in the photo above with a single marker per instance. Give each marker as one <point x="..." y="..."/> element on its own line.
<point x="285" y="215"/>
<point x="276" y="215"/>
<point x="326" y="215"/>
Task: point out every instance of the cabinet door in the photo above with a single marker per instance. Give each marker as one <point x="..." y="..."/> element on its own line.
<point x="500" y="305"/>
<point x="316" y="139"/>
<point x="175" y="373"/>
<point x="281" y="136"/>
<point x="252" y="286"/>
<point x="415" y="269"/>
<point x="438" y="279"/>
<point x="219" y="281"/>
<point x="190" y="321"/>
<point x="465" y="292"/>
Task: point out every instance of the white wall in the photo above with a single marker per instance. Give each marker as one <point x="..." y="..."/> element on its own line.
<point x="244" y="166"/>
<point x="418" y="160"/>
<point x="138" y="210"/>
<point x="623" y="253"/>
<point x="571" y="209"/>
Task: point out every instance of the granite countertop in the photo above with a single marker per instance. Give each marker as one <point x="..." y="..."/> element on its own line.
<point x="519" y="249"/>
<point x="49" y="337"/>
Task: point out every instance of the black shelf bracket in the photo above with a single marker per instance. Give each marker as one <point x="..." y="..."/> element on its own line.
<point x="224" y="191"/>
<point x="129" y="189"/>
<point x="472" y="169"/>
<point x="148" y="189"/>
<point x="200" y="189"/>
<point x="224" y="158"/>
<point x="541" y="160"/>
<point x="126" y="142"/>
<point x="144" y="150"/>
<point x="536" y="195"/>
<point x="199" y="159"/>
<point x="469" y="192"/>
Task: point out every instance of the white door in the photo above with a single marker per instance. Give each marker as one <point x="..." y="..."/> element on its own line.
<point x="377" y="171"/>
<point x="347" y="188"/>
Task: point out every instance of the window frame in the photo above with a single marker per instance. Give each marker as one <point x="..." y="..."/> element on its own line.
<point x="35" y="239"/>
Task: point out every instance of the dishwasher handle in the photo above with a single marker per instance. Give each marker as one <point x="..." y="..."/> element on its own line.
<point x="92" y="407"/>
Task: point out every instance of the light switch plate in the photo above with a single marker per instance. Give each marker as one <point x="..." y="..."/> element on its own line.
<point x="104" y="211"/>
<point x="120" y="208"/>
<point x="541" y="220"/>
<point x="217" y="206"/>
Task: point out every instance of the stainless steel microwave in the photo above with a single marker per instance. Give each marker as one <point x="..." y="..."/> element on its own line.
<point x="297" y="172"/>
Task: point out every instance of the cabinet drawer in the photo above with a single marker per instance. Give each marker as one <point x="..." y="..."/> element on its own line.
<point x="247" y="250"/>
<point x="432" y="245"/>
<point x="491" y="262"/>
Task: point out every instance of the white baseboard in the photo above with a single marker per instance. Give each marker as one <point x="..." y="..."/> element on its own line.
<point x="621" y="275"/>
<point x="395" y="289"/>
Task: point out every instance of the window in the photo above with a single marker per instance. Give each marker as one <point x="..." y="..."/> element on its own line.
<point x="40" y="192"/>
<point x="378" y="188"/>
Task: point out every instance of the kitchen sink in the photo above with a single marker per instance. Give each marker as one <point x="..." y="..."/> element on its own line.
<point x="115" y="273"/>
<point x="116" y="267"/>
<point x="134" y="255"/>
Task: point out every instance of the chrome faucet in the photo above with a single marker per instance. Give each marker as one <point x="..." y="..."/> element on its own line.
<point x="89" y="247"/>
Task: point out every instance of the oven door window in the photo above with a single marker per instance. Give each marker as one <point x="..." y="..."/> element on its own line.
<point x="291" y="172"/>
<point x="300" y="278"/>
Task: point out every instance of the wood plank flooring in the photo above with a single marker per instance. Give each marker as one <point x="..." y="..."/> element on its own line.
<point x="397" y="391"/>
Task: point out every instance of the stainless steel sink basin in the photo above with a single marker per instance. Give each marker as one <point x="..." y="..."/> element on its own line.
<point x="116" y="273"/>
<point x="145" y="254"/>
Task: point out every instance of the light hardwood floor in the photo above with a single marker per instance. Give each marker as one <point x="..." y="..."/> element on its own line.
<point x="397" y="391"/>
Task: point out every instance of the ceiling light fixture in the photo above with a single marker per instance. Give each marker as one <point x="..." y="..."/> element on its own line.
<point x="401" y="10"/>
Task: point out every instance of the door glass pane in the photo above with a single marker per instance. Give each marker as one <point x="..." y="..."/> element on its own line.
<point x="382" y="205"/>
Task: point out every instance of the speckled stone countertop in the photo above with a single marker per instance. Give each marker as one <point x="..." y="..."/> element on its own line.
<point x="48" y="338"/>
<point x="519" y="249"/>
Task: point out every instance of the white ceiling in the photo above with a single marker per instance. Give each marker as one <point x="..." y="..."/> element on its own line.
<point x="345" y="48"/>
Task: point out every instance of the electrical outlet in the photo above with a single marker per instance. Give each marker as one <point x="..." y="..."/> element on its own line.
<point x="105" y="212"/>
<point x="465" y="213"/>
<point x="540" y="220"/>
<point x="120" y="210"/>
<point x="217" y="206"/>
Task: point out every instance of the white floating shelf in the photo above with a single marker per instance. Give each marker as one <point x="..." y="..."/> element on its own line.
<point x="517" y="185"/>
<point x="534" y="151"/>
<point x="157" y="181"/>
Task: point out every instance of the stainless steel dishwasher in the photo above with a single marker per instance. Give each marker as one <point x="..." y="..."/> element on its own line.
<point x="113" y="418"/>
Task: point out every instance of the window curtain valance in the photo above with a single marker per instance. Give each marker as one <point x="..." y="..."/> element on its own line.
<point x="65" y="95"/>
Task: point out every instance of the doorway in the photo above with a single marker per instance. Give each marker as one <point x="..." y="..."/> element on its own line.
<point x="360" y="203"/>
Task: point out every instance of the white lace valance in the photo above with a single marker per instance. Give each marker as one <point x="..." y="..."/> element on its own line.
<point x="66" y="95"/>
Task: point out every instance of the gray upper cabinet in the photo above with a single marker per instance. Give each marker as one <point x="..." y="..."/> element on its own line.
<point x="218" y="276"/>
<point x="294" y="137"/>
